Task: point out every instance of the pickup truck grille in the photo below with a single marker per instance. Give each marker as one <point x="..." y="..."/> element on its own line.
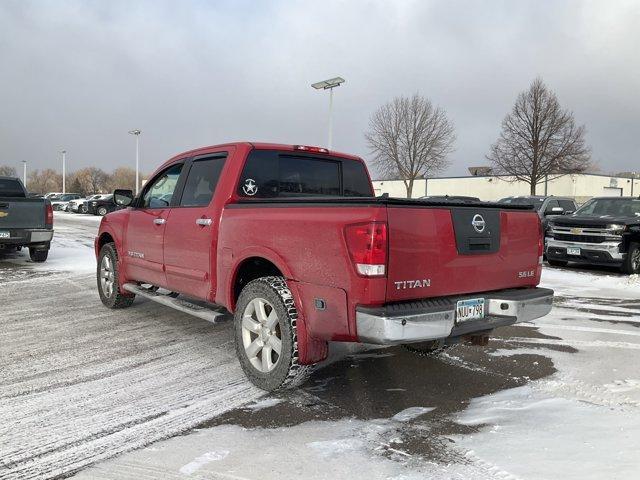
<point x="579" y="238"/>
<point x="584" y="234"/>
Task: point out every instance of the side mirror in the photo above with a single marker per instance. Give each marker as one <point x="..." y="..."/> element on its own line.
<point x="123" y="198"/>
<point x="554" y="211"/>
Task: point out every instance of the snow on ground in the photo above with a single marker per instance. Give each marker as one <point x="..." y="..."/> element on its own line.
<point x="73" y="233"/>
<point x="80" y="384"/>
<point x="582" y="422"/>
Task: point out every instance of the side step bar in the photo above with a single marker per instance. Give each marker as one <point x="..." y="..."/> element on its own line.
<point x="200" y="311"/>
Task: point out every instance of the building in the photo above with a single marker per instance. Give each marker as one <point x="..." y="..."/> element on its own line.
<point x="581" y="187"/>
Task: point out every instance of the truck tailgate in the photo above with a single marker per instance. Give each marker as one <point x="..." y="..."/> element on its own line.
<point x="440" y="250"/>
<point x="22" y="213"/>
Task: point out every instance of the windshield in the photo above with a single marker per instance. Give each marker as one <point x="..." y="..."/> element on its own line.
<point x="626" y="207"/>
<point x="536" y="202"/>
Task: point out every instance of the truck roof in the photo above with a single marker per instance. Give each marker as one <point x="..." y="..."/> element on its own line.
<point x="259" y="146"/>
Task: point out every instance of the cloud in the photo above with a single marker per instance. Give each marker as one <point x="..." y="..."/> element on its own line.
<point x="79" y="74"/>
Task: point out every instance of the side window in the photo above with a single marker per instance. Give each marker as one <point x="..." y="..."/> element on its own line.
<point x="567" y="205"/>
<point x="550" y="205"/>
<point x="159" y="193"/>
<point x="201" y="182"/>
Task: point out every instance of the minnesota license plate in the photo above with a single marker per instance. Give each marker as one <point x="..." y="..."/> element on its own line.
<point x="470" y="309"/>
<point x="573" y="251"/>
<point x="5" y="234"/>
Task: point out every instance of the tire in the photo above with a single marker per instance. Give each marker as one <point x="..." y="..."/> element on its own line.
<point x="107" y="274"/>
<point x="631" y="263"/>
<point x="102" y="211"/>
<point x="255" y="336"/>
<point x="557" y="263"/>
<point x="38" y="256"/>
<point x="427" y="349"/>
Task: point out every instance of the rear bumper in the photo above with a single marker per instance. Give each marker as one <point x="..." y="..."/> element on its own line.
<point x="25" y="237"/>
<point x="591" y="253"/>
<point x="434" y="319"/>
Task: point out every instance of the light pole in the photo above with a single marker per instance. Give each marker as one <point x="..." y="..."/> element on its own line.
<point x="24" y="173"/>
<point x="64" y="171"/>
<point x="137" y="134"/>
<point x="329" y="85"/>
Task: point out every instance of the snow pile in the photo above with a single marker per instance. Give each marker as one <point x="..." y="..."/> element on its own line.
<point x="535" y="436"/>
<point x="567" y="282"/>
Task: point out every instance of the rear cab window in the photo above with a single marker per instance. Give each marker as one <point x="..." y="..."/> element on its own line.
<point x="10" y="187"/>
<point x="280" y="174"/>
<point x="201" y="181"/>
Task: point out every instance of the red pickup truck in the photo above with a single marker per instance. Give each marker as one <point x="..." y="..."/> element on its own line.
<point x="293" y="242"/>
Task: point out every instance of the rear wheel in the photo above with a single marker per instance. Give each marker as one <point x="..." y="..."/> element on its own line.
<point x="38" y="255"/>
<point x="631" y="263"/>
<point x="557" y="263"/>
<point x="108" y="279"/>
<point x="266" y="335"/>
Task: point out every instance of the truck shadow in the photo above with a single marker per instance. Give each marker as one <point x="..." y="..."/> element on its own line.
<point x="381" y="383"/>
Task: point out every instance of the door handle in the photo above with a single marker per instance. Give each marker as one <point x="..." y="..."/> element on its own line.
<point x="159" y="221"/>
<point x="203" y="222"/>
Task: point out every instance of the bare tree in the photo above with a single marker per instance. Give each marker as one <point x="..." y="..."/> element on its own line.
<point x="409" y="139"/>
<point x="6" y="171"/>
<point x="122" y="177"/>
<point x="539" y="139"/>
<point x="92" y="179"/>
<point x="44" y="181"/>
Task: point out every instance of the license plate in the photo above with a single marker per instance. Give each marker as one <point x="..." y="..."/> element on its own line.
<point x="573" y="251"/>
<point x="470" y="309"/>
<point x="5" y="234"/>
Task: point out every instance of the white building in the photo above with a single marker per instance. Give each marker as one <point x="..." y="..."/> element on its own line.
<point x="581" y="187"/>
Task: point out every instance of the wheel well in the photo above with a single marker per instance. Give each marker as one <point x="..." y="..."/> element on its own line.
<point x="250" y="269"/>
<point x="104" y="238"/>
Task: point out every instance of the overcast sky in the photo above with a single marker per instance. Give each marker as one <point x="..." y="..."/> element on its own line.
<point x="79" y="75"/>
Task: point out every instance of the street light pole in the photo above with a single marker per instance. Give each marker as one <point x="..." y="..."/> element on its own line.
<point x="137" y="134"/>
<point x="329" y="85"/>
<point x="24" y="173"/>
<point x="64" y="171"/>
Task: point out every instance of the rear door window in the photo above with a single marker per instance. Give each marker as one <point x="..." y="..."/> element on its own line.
<point x="269" y="174"/>
<point x="201" y="181"/>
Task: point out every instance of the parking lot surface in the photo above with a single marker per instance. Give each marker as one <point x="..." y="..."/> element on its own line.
<point x="106" y="394"/>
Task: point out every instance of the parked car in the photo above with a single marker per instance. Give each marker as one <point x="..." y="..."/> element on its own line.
<point x="85" y="205"/>
<point x="60" y="202"/>
<point x="547" y="207"/>
<point x="603" y="231"/>
<point x="103" y="205"/>
<point x="75" y="206"/>
<point x="24" y="221"/>
<point x="52" y="194"/>
<point x="292" y="241"/>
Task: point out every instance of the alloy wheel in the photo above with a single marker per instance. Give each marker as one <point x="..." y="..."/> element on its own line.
<point x="261" y="335"/>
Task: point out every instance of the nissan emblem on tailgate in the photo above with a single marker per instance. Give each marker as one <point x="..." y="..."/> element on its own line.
<point x="478" y="223"/>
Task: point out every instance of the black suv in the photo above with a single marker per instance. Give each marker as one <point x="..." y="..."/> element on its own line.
<point x="604" y="231"/>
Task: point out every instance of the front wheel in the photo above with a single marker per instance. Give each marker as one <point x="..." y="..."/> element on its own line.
<point x="266" y="335"/>
<point x="37" y="255"/>
<point x="108" y="279"/>
<point x="631" y="263"/>
<point x="102" y="211"/>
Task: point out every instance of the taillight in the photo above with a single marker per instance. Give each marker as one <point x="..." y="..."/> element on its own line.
<point x="540" y="242"/>
<point x="48" y="216"/>
<point x="367" y="243"/>
<point x="306" y="148"/>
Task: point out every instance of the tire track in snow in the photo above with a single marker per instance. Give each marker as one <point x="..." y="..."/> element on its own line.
<point x="80" y="383"/>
